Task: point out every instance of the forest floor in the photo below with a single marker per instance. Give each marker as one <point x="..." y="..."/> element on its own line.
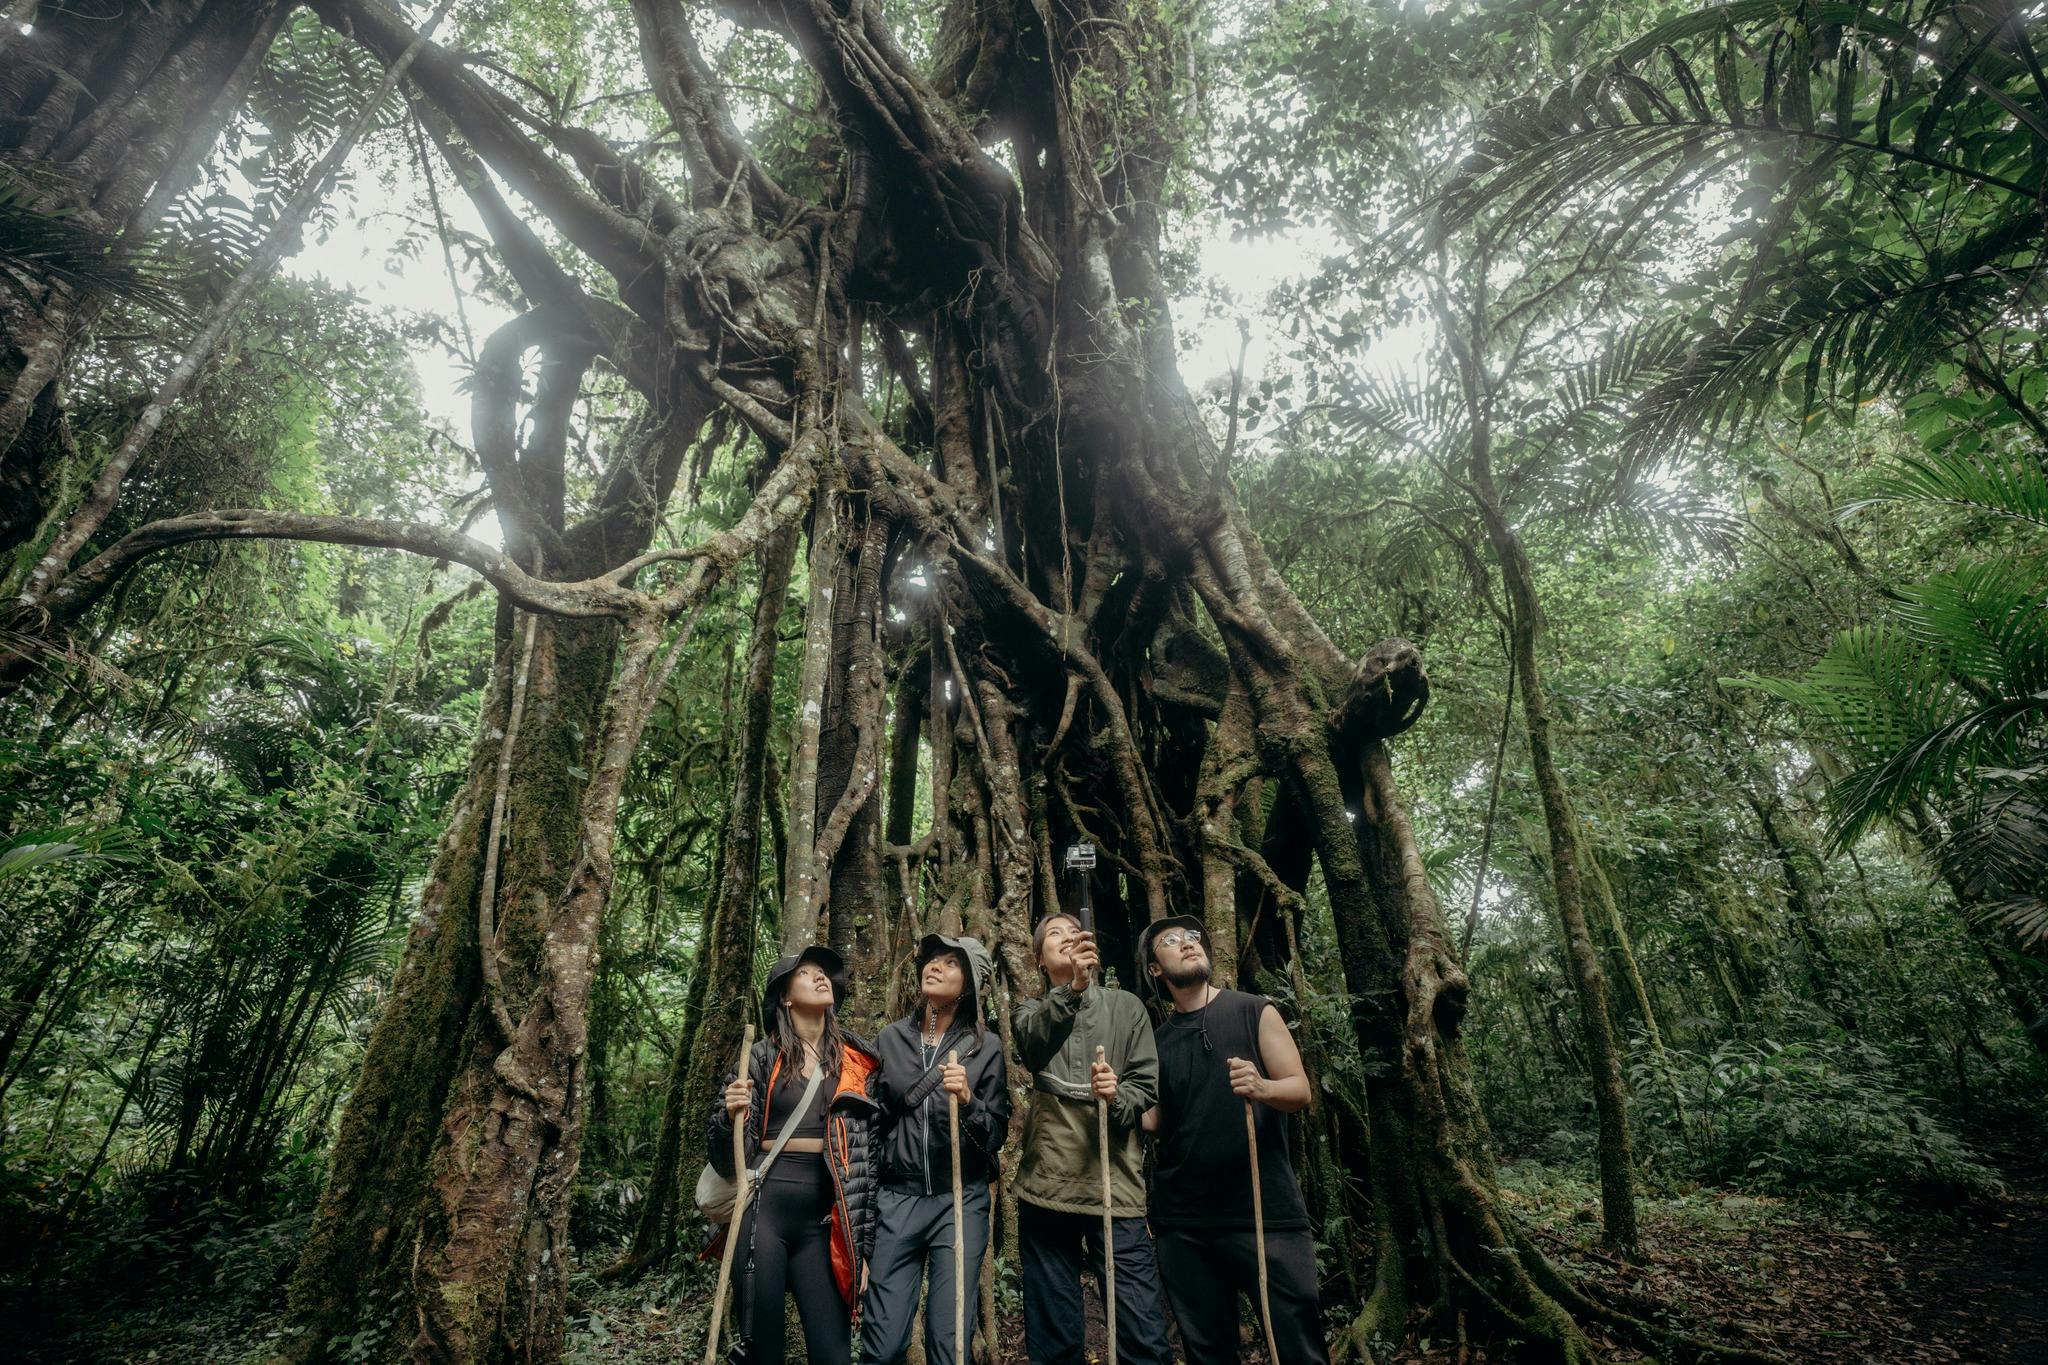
<point x="1962" y="1284"/>
<point x="1801" y="1281"/>
<point x="1810" y="1284"/>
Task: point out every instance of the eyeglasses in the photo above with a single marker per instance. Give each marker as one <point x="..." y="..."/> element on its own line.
<point x="1173" y="938"/>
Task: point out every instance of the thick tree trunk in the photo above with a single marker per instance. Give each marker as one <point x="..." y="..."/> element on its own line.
<point x="426" y="1153"/>
<point x="851" y="743"/>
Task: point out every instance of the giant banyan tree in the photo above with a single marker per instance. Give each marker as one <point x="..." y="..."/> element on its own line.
<point x="1028" y="563"/>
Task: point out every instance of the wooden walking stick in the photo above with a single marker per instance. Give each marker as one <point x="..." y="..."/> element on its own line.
<point x="1080" y="861"/>
<point x="739" y="1208"/>
<point x="1251" y="1135"/>
<point x="1108" y="1228"/>
<point x="959" y="1227"/>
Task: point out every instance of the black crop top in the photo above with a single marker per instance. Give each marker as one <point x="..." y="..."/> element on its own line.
<point x="782" y="1102"/>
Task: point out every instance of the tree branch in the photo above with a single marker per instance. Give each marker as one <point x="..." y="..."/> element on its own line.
<point x="80" y="589"/>
<point x="612" y="239"/>
<point x="696" y="106"/>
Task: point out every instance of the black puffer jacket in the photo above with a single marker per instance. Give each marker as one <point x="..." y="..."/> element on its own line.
<point x="850" y="1119"/>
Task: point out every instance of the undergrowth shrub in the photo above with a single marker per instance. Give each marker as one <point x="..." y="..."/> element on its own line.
<point x="1815" y="1117"/>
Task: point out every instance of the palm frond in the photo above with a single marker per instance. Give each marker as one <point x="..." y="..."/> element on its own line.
<point x="1844" y="332"/>
<point x="1703" y="90"/>
<point x="1403" y="409"/>
<point x="1985" y="620"/>
<point x="2013" y="486"/>
<point x="1933" y="761"/>
<point x="32" y="849"/>
<point x="1877" y="690"/>
<point x="39" y="247"/>
<point x="2026" y="917"/>
<point x="1931" y="703"/>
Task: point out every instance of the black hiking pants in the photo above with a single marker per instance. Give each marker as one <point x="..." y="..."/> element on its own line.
<point x="787" y="1231"/>
<point x="1210" y="1272"/>
<point x="1055" y="1248"/>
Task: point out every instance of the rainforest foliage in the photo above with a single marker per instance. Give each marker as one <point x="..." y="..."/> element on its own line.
<point x="1528" y="517"/>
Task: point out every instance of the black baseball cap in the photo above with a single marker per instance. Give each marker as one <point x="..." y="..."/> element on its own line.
<point x="1153" y="930"/>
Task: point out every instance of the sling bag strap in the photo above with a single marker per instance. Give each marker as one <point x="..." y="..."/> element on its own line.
<point x="789" y="1125"/>
<point x="927" y="1084"/>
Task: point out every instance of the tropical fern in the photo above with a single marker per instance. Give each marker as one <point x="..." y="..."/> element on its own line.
<point x="1943" y="706"/>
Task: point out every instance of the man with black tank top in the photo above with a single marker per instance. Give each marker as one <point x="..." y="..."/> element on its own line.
<point x="1218" y="1050"/>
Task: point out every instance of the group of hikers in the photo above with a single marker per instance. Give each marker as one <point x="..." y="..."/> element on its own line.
<point x="856" y="1184"/>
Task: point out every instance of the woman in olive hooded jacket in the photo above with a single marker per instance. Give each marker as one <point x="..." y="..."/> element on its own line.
<point x="1059" y="1179"/>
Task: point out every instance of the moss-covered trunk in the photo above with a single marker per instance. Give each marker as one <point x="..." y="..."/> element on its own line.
<point x="1582" y="959"/>
<point x="444" y="1135"/>
<point x="720" y="990"/>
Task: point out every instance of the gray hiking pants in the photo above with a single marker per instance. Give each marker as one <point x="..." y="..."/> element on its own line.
<point x="913" y="1238"/>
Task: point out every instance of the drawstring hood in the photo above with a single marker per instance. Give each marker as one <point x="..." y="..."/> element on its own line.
<point x="914" y="1146"/>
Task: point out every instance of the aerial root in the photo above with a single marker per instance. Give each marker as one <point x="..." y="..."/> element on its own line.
<point x="1383" y="1317"/>
<point x="1680" y="1348"/>
<point x="1548" y="1326"/>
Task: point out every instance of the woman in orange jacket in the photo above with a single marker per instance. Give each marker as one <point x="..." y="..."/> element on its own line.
<point x="809" y="1227"/>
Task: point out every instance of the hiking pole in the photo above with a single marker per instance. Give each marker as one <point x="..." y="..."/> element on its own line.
<point x="1108" y="1228"/>
<point x="959" y="1227"/>
<point x="1081" y="861"/>
<point x="739" y="1208"/>
<point x="1251" y="1135"/>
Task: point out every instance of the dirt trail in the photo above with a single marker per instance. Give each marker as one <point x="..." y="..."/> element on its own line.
<point x="1982" y="1282"/>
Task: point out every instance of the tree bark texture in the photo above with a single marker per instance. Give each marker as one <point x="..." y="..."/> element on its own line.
<point x="725" y="962"/>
